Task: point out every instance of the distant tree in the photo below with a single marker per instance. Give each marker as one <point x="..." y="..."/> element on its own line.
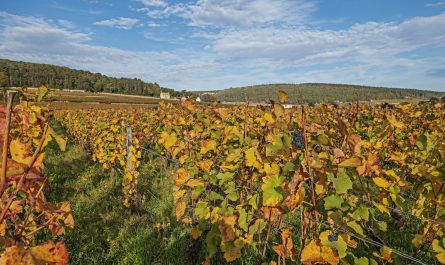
<point x="33" y="75"/>
<point x="443" y="99"/>
<point x="208" y="98"/>
<point x="4" y="80"/>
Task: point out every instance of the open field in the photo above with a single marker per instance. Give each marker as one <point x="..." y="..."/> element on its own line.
<point x="64" y="96"/>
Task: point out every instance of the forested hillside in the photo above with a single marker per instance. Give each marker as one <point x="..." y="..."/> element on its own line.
<point x="17" y="74"/>
<point x="312" y="92"/>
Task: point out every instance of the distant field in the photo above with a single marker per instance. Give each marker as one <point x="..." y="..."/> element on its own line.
<point x="66" y="96"/>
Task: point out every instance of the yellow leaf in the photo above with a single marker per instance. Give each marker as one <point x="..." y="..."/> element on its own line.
<point x="205" y="165"/>
<point x="194" y="183"/>
<point x="394" y="122"/>
<point x="441" y="257"/>
<point x="168" y="140"/>
<point x="272" y="169"/>
<point x="351" y="162"/>
<point x="181" y="177"/>
<point x="386" y="253"/>
<point x="46" y="253"/>
<point x="382" y="208"/>
<point x="315" y="253"/>
<point x="381" y="182"/>
<point x="208" y="145"/>
<point x="51" y="253"/>
<point x="268" y="117"/>
<point x="232" y="251"/>
<point x="180" y="209"/>
<point x="251" y="159"/>
<point x="226" y="227"/>
<point x="19" y="152"/>
<point x="61" y="142"/>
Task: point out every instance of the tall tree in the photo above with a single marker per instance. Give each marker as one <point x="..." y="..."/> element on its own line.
<point x="4" y="80"/>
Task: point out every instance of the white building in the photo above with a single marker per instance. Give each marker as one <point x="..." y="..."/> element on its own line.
<point x="198" y="99"/>
<point x="288" y="106"/>
<point x="165" y="95"/>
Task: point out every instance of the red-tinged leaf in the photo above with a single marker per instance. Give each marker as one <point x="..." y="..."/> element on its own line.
<point x="51" y="253"/>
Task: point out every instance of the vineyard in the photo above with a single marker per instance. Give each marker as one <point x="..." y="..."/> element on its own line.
<point x="326" y="184"/>
<point x="28" y="222"/>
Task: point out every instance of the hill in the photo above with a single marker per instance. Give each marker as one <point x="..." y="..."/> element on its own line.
<point x="18" y="74"/>
<point x="319" y="92"/>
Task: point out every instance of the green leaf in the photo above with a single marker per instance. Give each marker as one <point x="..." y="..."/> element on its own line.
<point x="362" y="261"/>
<point x="213" y="240"/>
<point x="342" y="183"/>
<point x="197" y="191"/>
<point x="253" y="201"/>
<point x="382" y="226"/>
<point x="338" y="244"/>
<point x="223" y="177"/>
<point x="214" y="196"/>
<point x="361" y="213"/>
<point x="333" y="202"/>
<point x="356" y="227"/>
<point x="289" y="166"/>
<point x="421" y="141"/>
<point x="323" y="139"/>
<point x="242" y="220"/>
<point x="41" y="93"/>
<point x="201" y="210"/>
<point x="273" y="194"/>
<point x="258" y="226"/>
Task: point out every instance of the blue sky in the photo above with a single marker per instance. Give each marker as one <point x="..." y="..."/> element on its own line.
<point x="214" y="44"/>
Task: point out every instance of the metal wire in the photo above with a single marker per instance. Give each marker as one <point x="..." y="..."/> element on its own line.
<point x="370" y="202"/>
<point x="338" y="228"/>
<point x="160" y="155"/>
<point x="375" y="243"/>
<point x="369" y="241"/>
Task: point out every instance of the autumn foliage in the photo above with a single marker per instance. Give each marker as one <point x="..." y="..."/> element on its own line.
<point x="348" y="170"/>
<point x="26" y="216"/>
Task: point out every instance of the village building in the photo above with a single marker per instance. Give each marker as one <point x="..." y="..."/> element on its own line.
<point x="165" y="95"/>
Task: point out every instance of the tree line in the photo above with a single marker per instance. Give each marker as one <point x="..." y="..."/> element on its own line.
<point x="19" y="74"/>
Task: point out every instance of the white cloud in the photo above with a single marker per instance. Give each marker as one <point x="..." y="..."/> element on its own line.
<point x="361" y="42"/>
<point x="120" y="22"/>
<point x="153" y="24"/>
<point x="228" y="13"/>
<point x="369" y="53"/>
<point x="37" y="40"/>
<point x="159" y="3"/>
<point x="436" y="4"/>
<point x="221" y="13"/>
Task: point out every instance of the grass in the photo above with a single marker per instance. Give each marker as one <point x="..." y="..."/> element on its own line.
<point x="108" y="233"/>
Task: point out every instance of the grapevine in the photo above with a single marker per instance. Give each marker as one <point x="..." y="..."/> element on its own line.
<point x="26" y="216"/>
<point x="348" y="170"/>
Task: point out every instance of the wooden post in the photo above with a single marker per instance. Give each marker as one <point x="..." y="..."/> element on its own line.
<point x="129" y="143"/>
<point x="10" y="96"/>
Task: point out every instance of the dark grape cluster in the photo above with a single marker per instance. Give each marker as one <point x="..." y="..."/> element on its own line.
<point x="333" y="237"/>
<point x="298" y="139"/>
